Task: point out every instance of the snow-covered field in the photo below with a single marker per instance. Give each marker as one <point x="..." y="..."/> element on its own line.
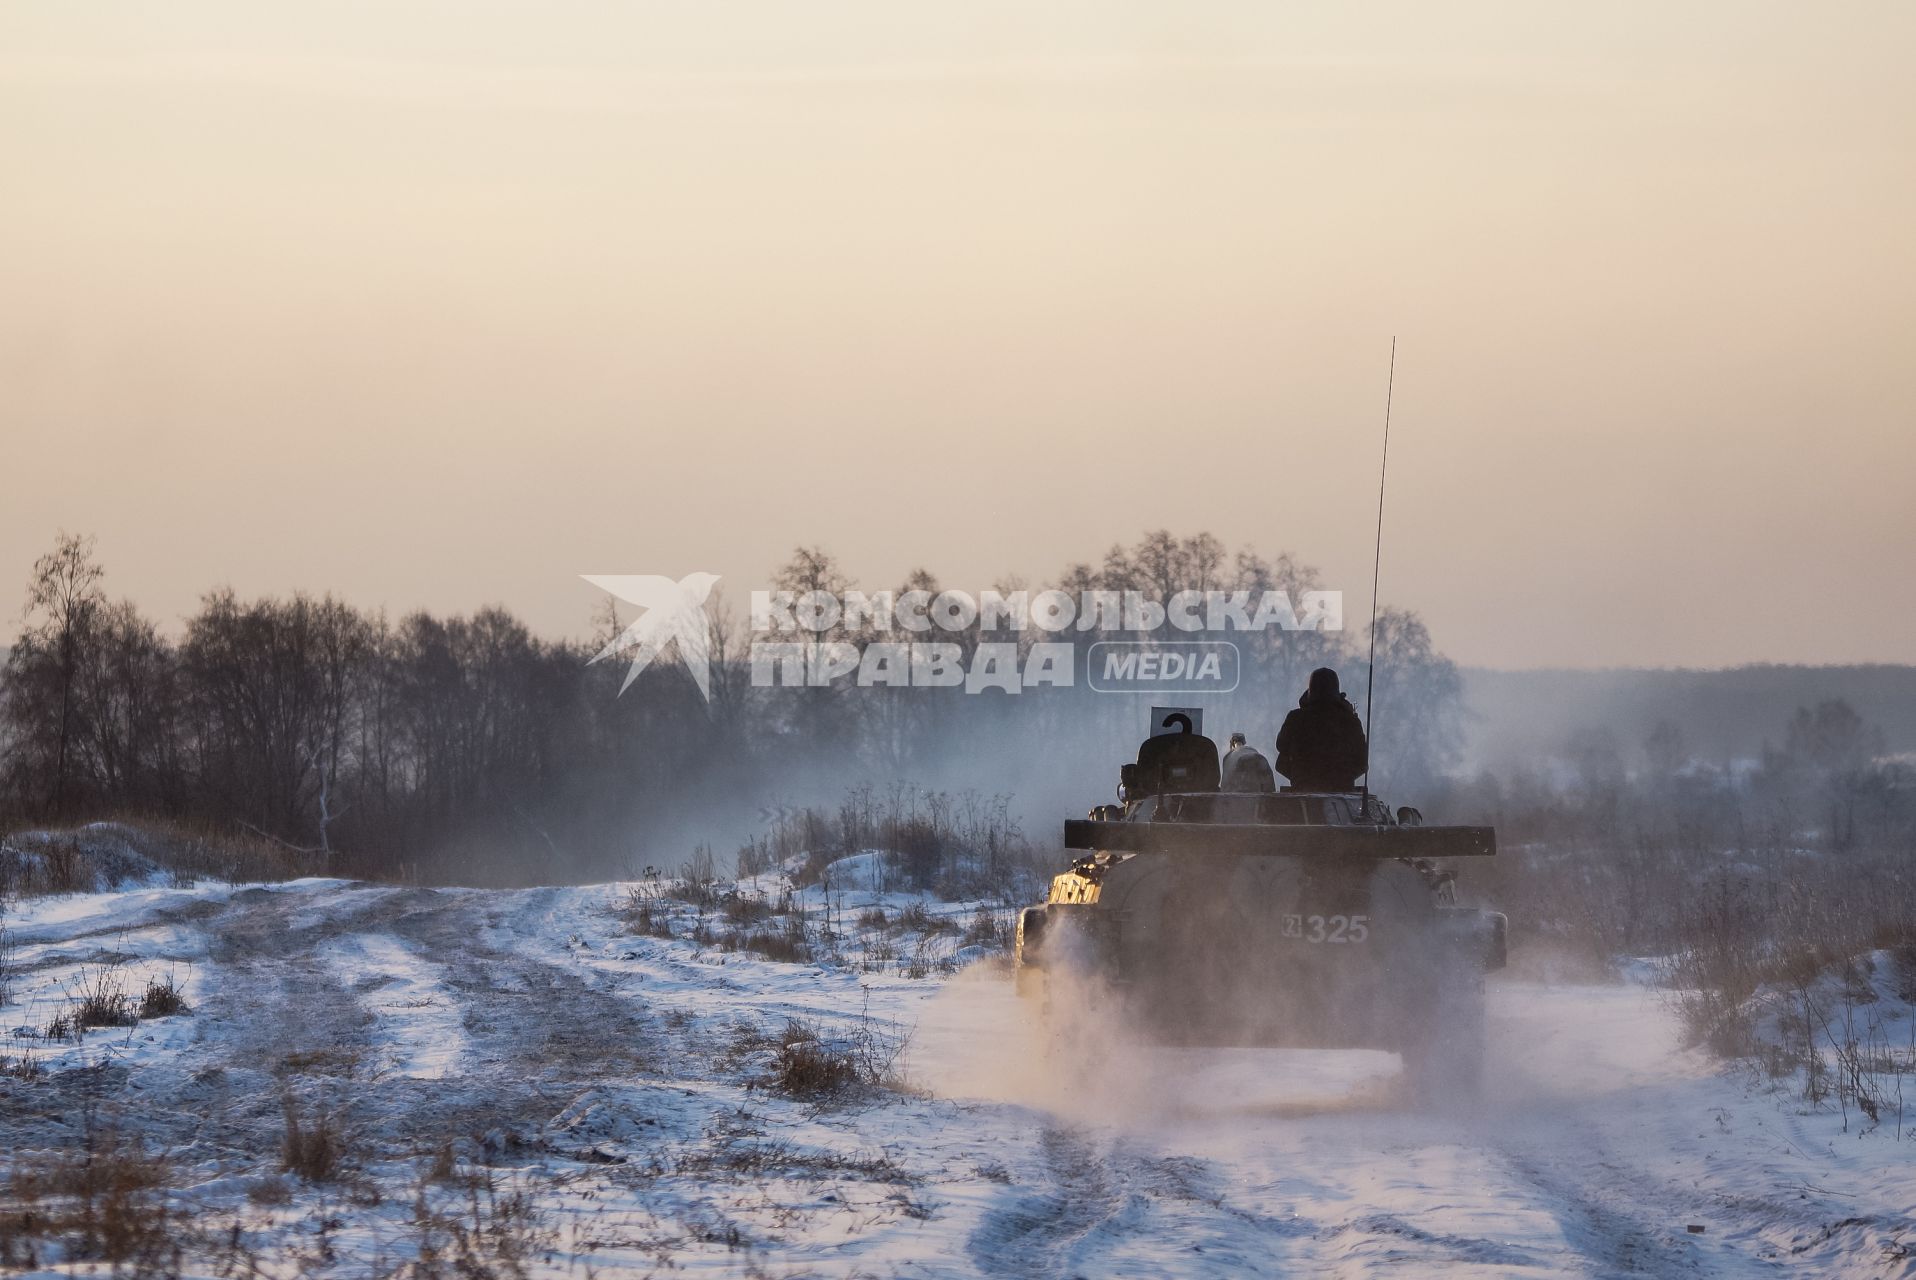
<point x="519" y="1080"/>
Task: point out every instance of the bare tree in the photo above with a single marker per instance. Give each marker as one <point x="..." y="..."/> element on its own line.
<point x="1416" y="713"/>
<point x="63" y="603"/>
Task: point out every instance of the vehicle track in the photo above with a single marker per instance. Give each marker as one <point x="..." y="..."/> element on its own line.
<point x="1098" y="1197"/>
<point x="1051" y="1231"/>
<point x="289" y="1028"/>
<point x="528" y="1017"/>
<point x="1616" y="1234"/>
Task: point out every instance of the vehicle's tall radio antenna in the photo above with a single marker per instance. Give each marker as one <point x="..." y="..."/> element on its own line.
<point x="1377" y="561"/>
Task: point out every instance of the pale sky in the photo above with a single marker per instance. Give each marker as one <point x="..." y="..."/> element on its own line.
<point x="444" y="304"/>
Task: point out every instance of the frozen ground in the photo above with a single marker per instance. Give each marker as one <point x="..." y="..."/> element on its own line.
<point x="519" y="1071"/>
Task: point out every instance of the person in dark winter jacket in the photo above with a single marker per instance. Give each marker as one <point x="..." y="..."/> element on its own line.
<point x="1246" y="769"/>
<point x="1321" y="746"/>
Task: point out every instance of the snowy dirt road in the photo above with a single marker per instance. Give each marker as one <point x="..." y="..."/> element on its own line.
<point x="614" y="1081"/>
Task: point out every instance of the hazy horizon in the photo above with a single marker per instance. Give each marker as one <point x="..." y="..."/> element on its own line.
<point x="432" y="306"/>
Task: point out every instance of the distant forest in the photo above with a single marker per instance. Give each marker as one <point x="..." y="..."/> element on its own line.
<point x="468" y="748"/>
<point x="1726" y="716"/>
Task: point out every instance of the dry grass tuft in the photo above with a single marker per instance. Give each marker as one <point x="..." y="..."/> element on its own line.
<point x="989" y="929"/>
<point x="313" y="1147"/>
<point x="103" y="1001"/>
<point x="743" y="909"/>
<point x="788" y="945"/>
<point x="102" y="1203"/>
<point x="56" y="863"/>
<point x="191" y="851"/>
<point x="442" y="1165"/>
<point x="106" y="854"/>
<point x="645" y="912"/>
<point x="162" y="998"/>
<point x="494" y="1233"/>
<point x="808" y="1065"/>
<point x="335" y="1061"/>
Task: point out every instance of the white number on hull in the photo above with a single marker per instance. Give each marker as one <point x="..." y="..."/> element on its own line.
<point x="1335" y="930"/>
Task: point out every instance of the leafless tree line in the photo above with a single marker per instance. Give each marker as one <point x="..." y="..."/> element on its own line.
<point x="468" y="747"/>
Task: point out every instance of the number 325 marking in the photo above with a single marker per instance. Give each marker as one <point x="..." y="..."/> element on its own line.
<point x="1331" y="929"/>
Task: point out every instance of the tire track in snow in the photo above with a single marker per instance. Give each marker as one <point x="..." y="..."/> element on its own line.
<point x="1638" y="1220"/>
<point x="418" y="1031"/>
<point x="1102" y="1212"/>
<point x="296" y="995"/>
<point x="1043" y="1233"/>
<point x="269" y="998"/>
<point x="1618" y="1237"/>
<point x="266" y="1014"/>
<point x="524" y="1015"/>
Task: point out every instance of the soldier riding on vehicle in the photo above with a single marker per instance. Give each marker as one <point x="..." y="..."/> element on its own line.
<point x="1246" y="769"/>
<point x="1321" y="746"/>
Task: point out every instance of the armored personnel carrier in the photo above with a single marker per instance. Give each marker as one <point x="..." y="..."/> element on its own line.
<point x="1293" y="919"/>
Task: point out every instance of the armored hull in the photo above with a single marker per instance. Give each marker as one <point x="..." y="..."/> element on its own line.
<point x="1269" y="920"/>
